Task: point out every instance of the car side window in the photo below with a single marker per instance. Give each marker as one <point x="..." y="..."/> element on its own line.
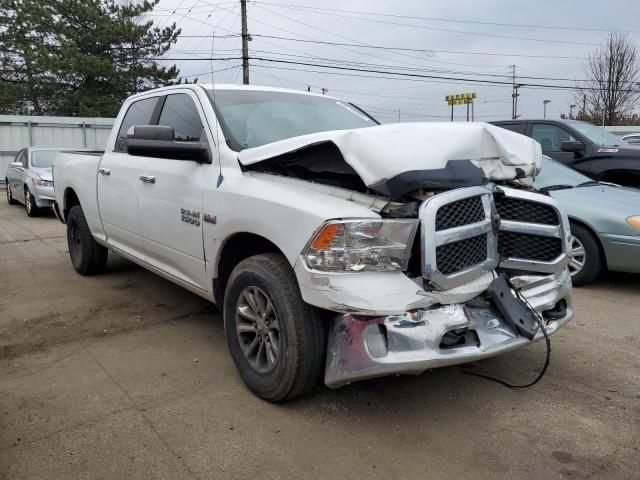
<point x="24" y="159"/>
<point x="139" y="113"/>
<point x="550" y="136"/>
<point x="180" y="113"/>
<point x="514" y="127"/>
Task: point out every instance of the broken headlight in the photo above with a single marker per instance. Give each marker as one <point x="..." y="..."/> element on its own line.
<point x="357" y="245"/>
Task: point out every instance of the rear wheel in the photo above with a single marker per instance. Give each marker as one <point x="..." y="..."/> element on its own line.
<point x="30" y="204"/>
<point x="586" y="258"/>
<point x="277" y="341"/>
<point x="87" y="256"/>
<point x="10" y="199"/>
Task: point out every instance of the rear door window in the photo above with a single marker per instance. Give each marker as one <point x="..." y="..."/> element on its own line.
<point x="139" y="113"/>
<point x="180" y="113"/>
<point x="515" y="127"/>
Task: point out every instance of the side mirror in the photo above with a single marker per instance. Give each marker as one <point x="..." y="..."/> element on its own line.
<point x="575" y="147"/>
<point x="159" y="142"/>
<point x="15" y="164"/>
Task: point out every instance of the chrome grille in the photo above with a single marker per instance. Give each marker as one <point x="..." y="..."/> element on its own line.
<point x="462" y="212"/>
<point x="459" y="243"/>
<point x="524" y="211"/>
<point x="533" y="233"/>
<point x="456" y="256"/>
<point x="529" y="247"/>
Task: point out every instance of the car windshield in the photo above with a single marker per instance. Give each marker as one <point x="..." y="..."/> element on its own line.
<point x="251" y="118"/>
<point x="43" y="158"/>
<point x="597" y="135"/>
<point x="554" y="174"/>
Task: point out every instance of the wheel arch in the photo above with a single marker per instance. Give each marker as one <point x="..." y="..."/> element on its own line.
<point x="594" y="234"/>
<point x="235" y="248"/>
<point x="70" y="199"/>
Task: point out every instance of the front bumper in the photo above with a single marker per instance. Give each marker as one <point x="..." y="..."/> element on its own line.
<point x="410" y="343"/>
<point x="45" y="196"/>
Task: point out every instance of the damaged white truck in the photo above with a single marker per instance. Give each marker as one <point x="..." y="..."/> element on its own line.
<point x="334" y="246"/>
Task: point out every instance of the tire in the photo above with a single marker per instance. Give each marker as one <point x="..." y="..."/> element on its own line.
<point x="10" y="199"/>
<point x="88" y="257"/>
<point x="587" y="260"/>
<point x="293" y="326"/>
<point x="30" y="204"/>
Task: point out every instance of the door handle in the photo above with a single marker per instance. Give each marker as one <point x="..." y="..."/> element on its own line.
<point x="104" y="171"/>
<point x="147" y="178"/>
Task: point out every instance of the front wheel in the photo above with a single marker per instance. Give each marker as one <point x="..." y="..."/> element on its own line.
<point x="586" y="258"/>
<point x="87" y="256"/>
<point x="277" y="341"/>
<point x="30" y="204"/>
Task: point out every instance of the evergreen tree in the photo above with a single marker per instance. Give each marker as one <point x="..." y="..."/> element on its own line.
<point x="79" y="57"/>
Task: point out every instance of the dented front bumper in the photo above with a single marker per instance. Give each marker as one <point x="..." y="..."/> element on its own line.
<point x="362" y="347"/>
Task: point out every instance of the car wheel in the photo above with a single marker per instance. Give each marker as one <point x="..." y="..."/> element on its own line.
<point x="87" y="256"/>
<point x="10" y="199"/>
<point x="30" y="204"/>
<point x="586" y="257"/>
<point x="277" y="341"/>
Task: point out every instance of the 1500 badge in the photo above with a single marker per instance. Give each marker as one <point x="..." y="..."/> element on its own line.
<point x="191" y="217"/>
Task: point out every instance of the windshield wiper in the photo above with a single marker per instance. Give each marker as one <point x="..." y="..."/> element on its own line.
<point x="555" y="187"/>
<point x="590" y="183"/>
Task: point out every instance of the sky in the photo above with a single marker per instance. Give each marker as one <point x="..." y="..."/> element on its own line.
<point x="462" y="39"/>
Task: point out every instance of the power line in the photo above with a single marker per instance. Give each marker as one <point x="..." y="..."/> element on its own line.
<point x="440" y="19"/>
<point x="387" y="72"/>
<point x="421" y="27"/>
<point x="419" y="50"/>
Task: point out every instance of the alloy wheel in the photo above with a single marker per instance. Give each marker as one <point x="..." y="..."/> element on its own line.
<point x="578" y="256"/>
<point x="258" y="329"/>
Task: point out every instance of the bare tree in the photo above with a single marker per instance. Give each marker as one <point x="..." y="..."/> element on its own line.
<point x="610" y="92"/>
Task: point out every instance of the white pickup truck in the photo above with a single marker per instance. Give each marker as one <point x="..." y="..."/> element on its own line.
<point x="333" y="245"/>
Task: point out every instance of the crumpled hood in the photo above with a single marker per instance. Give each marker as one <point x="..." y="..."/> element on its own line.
<point x="428" y="155"/>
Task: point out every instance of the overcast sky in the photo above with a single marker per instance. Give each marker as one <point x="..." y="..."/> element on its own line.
<point x="452" y="26"/>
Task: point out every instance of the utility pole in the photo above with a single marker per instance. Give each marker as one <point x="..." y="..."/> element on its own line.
<point x="398" y="115"/>
<point x="571" y="107"/>
<point x="245" y="43"/>
<point x="584" y="106"/>
<point x="545" y="102"/>
<point x="514" y="94"/>
<point x="324" y="90"/>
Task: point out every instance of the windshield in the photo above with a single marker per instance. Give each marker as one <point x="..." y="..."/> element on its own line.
<point x="43" y="158"/>
<point x="553" y="173"/>
<point x="598" y="135"/>
<point x="251" y="118"/>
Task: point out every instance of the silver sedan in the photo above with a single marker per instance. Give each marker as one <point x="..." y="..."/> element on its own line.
<point x="604" y="218"/>
<point x="29" y="179"/>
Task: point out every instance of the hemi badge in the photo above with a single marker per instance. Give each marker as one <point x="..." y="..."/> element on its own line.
<point x="210" y="218"/>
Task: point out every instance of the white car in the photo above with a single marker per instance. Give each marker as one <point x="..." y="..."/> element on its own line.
<point x="332" y="244"/>
<point x="29" y="179"/>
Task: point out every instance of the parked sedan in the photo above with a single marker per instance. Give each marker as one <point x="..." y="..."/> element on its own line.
<point x="605" y="221"/>
<point x="29" y="179"/>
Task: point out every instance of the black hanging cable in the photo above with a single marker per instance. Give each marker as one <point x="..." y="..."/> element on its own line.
<point x="540" y="321"/>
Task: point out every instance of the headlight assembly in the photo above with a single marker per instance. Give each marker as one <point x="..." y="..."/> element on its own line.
<point x="362" y="245"/>
<point x="38" y="182"/>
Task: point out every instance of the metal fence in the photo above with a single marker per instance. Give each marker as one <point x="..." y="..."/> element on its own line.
<point x="20" y="131"/>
